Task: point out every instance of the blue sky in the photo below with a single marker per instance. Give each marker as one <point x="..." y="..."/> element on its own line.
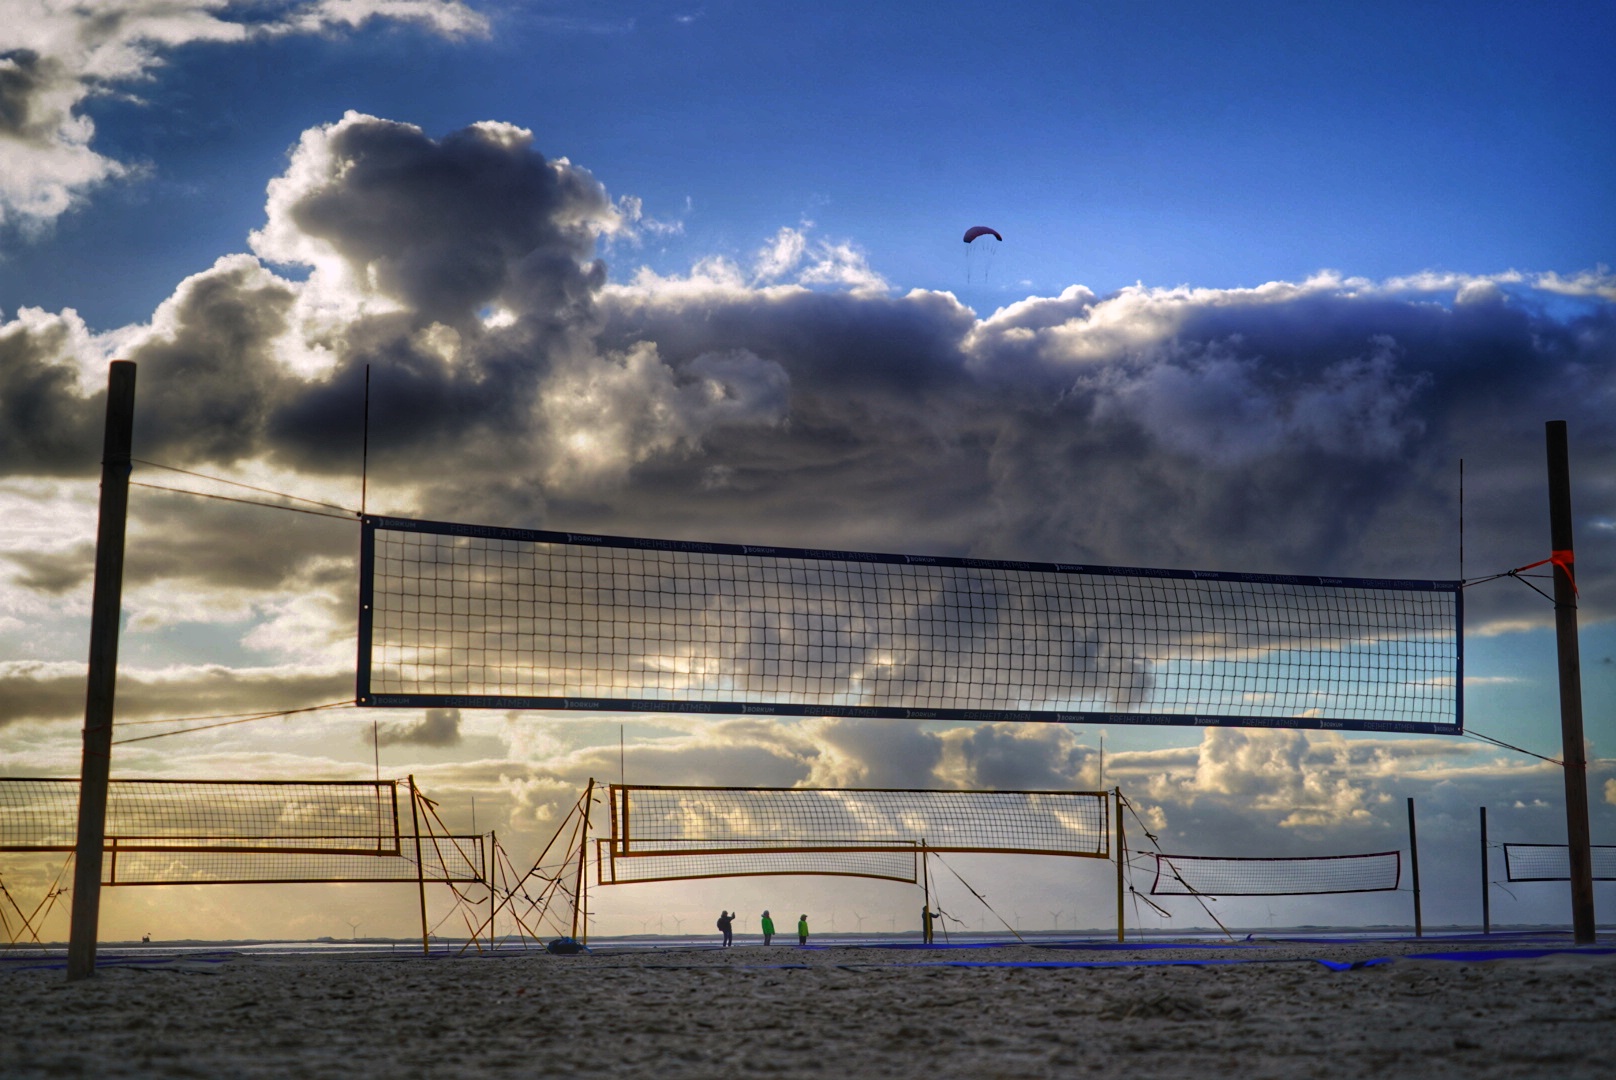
<point x="694" y="270"/>
<point x="1155" y="142"/>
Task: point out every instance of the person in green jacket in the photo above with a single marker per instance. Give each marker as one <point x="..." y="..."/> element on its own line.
<point x="768" y="928"/>
<point x="802" y="929"/>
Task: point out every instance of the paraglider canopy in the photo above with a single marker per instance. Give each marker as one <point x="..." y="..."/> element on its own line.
<point x="981" y="230"/>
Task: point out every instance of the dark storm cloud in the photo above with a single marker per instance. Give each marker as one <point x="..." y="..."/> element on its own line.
<point x="24" y="76"/>
<point x="55" y="692"/>
<point x="437" y="727"/>
<point x="1025" y="757"/>
<point x="55" y="572"/>
<point x="50" y="425"/>
<point x="448" y="226"/>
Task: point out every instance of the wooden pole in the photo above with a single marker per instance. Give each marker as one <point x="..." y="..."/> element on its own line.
<point x="1574" y="753"/>
<point x="1120" y="856"/>
<point x="490" y="865"/>
<point x="1486" y="895"/>
<point x="583" y="849"/>
<point x="420" y="869"/>
<point x="925" y="893"/>
<point x="1414" y="865"/>
<point x="105" y="612"/>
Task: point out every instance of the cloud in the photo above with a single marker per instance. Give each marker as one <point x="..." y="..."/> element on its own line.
<point x="55" y="55"/>
<point x="54" y="691"/>
<point x="436" y="727"/>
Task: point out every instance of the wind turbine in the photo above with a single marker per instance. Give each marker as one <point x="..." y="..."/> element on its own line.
<point x="1056" y="916"/>
<point x="678" y="924"/>
<point x="860" y="919"/>
<point x="354" y="921"/>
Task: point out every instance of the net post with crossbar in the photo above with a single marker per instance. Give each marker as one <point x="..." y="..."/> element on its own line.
<point x="475" y="616"/>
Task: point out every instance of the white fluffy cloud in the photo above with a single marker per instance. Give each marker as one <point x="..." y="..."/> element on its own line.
<point x="57" y="54"/>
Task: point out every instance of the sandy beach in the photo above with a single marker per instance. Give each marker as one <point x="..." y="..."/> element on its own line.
<point x="1259" y="1009"/>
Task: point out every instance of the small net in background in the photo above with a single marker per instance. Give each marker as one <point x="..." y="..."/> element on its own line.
<point x="356" y="816"/>
<point x="457" y="859"/>
<point x="894" y="865"/>
<point x="1552" y="862"/>
<point x="658" y="820"/>
<point x="485" y="617"/>
<point x="1203" y="875"/>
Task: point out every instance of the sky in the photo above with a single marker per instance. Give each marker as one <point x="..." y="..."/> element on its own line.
<point x="693" y="271"/>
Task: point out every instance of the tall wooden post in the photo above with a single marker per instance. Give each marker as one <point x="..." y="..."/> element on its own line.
<point x="578" y="901"/>
<point x="1414" y="865"/>
<point x="1573" y="752"/>
<point x="925" y="896"/>
<point x="420" y="867"/>
<point x="1121" y="854"/>
<point x="1486" y="886"/>
<point x="105" y="610"/>
<point x="490" y="865"/>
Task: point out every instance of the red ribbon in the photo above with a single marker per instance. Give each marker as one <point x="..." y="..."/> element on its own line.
<point x="1565" y="559"/>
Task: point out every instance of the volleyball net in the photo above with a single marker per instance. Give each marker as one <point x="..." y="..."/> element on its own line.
<point x="483" y="617"/>
<point x="1552" y="862"/>
<point x="334" y="817"/>
<point x="443" y="859"/>
<point x="1206" y="875"/>
<point x="665" y="833"/>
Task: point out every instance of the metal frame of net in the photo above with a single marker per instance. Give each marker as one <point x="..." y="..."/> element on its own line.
<point x="677" y="832"/>
<point x="1552" y="862"/>
<point x="1305" y="875"/>
<point x="485" y="617"/>
<point x="259" y="817"/>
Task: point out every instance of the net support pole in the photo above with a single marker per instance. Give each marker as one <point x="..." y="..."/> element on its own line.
<point x="1121" y="854"/>
<point x="489" y="868"/>
<point x="583" y="858"/>
<point x="105" y="610"/>
<point x="925" y="894"/>
<point x="420" y="868"/>
<point x="1486" y="897"/>
<point x="1574" y="753"/>
<point x="1414" y="867"/>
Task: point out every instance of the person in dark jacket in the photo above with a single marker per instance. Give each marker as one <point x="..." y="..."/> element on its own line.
<point x="726" y="923"/>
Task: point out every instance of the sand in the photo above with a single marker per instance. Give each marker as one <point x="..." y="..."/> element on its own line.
<point x="825" y="1012"/>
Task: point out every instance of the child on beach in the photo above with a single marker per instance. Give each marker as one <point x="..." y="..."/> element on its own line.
<point x="768" y="928"/>
<point x="802" y="929"/>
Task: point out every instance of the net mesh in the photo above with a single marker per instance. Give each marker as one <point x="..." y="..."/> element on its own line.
<point x="653" y="820"/>
<point x="458" y="859"/>
<point x="354" y="816"/>
<point x="893" y="865"/>
<point x="1191" y="875"/>
<point x="1552" y="862"/>
<point x="476" y="616"/>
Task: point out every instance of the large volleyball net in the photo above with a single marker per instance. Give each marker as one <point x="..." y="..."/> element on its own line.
<point x="1206" y="875"/>
<point x="661" y="833"/>
<point x="1552" y="862"/>
<point x="475" y="616"/>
